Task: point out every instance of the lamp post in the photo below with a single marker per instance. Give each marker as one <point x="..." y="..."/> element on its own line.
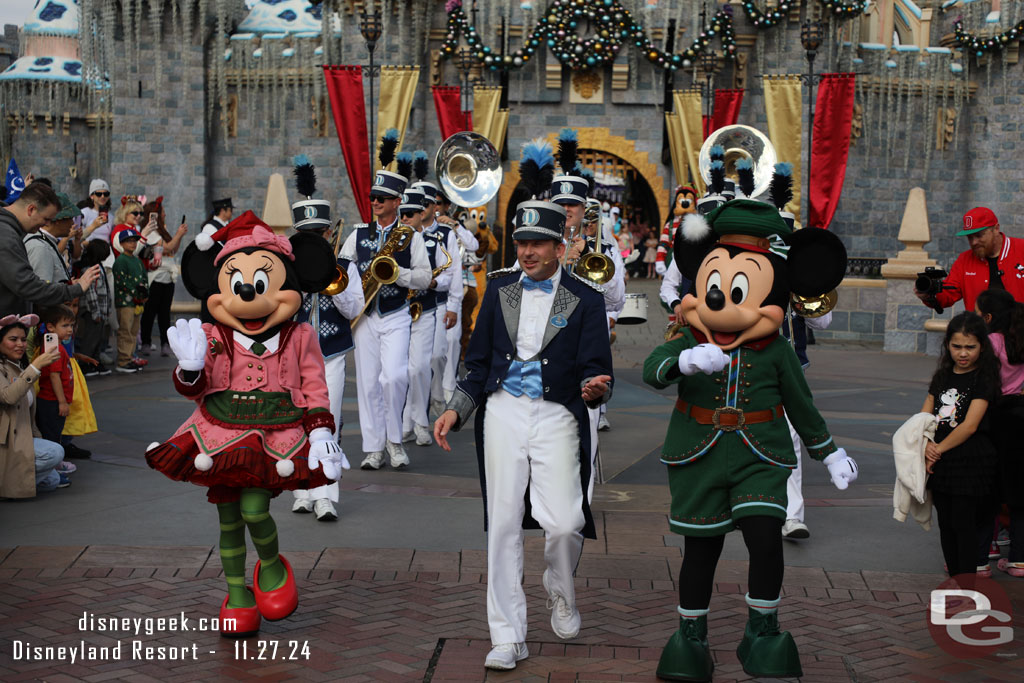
<point x="370" y="27"/>
<point x="811" y="34"/>
<point x="464" y="61"/>
<point x="708" y="64"/>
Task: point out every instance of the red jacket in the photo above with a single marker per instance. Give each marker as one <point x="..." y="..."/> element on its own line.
<point x="969" y="275"/>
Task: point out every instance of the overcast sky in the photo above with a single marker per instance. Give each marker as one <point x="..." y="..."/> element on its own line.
<point x="15" y="11"/>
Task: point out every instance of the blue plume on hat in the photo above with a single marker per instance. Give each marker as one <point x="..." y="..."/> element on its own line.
<point x="717" y="176"/>
<point x="717" y="152"/>
<point x="420" y="164"/>
<point x="745" y="175"/>
<point x="781" y="188"/>
<point x="537" y="167"/>
<point x="404" y="160"/>
<point x="587" y="175"/>
<point x="388" y="145"/>
<point x="305" y="175"/>
<point x="568" y="145"/>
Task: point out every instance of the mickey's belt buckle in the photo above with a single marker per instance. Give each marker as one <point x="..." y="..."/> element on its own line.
<point x="716" y="418"/>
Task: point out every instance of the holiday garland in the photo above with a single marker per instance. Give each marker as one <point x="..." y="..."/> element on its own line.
<point x="980" y="45"/>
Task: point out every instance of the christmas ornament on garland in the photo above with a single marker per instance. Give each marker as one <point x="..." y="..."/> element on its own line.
<point x="845" y="10"/>
<point x="980" y="45"/>
<point x="763" y="20"/>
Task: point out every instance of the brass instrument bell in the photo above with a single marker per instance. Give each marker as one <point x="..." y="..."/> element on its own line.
<point x="596" y="267"/>
<point x="814" y="306"/>
<point x="740" y="142"/>
<point x="468" y="168"/>
<point x="337" y="285"/>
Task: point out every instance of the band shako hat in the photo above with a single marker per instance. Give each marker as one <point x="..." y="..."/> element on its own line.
<point x="539" y="220"/>
<point x="569" y="187"/>
<point x="388" y="182"/>
<point x="221" y="204"/>
<point x="412" y="200"/>
<point x="308" y="213"/>
<point x="420" y="169"/>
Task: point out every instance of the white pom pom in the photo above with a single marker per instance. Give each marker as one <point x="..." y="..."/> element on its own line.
<point x="204" y="241"/>
<point x="285" y="468"/>
<point x="203" y="462"/>
<point x="695" y="228"/>
<point x="152" y="446"/>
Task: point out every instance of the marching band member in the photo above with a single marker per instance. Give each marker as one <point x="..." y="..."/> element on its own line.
<point x="537" y="358"/>
<point x="415" y="421"/>
<point x="381" y="334"/>
<point x="453" y="334"/>
<point x="329" y="315"/>
<point x="223" y="209"/>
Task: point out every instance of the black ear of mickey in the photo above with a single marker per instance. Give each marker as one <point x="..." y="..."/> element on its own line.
<point x="816" y="261"/>
<point x="198" y="272"/>
<point x="315" y="264"/>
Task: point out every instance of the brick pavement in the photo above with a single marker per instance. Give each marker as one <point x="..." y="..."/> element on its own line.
<point x="412" y="615"/>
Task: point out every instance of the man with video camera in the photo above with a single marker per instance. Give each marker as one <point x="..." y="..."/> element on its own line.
<point x="994" y="261"/>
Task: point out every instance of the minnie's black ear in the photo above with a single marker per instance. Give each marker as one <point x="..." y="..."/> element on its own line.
<point x="198" y="272"/>
<point x="816" y="261"/>
<point x="315" y="264"/>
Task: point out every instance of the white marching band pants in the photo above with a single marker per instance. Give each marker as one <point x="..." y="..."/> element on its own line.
<point x="421" y="345"/>
<point x="382" y="376"/>
<point x="453" y="350"/>
<point x="529" y="443"/>
<point x="438" y="356"/>
<point x="334" y="373"/>
<point x="794" y="485"/>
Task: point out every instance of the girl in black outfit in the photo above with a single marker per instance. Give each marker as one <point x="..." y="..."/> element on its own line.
<point x="962" y="460"/>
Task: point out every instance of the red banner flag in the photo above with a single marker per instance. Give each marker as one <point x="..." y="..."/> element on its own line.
<point x="727" y="108"/>
<point x="448" y="103"/>
<point x="345" y="88"/>
<point x="833" y="116"/>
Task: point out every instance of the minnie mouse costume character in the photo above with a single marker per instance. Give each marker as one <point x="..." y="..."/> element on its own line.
<point x="262" y="422"/>
<point x="728" y="447"/>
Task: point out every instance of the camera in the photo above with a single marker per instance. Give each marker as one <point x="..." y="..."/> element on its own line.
<point x="930" y="284"/>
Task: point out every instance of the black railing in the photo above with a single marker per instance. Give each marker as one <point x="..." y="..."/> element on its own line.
<point x="865" y="267"/>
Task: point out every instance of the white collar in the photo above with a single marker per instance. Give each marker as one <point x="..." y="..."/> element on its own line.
<point x="389" y="225"/>
<point x="246" y="342"/>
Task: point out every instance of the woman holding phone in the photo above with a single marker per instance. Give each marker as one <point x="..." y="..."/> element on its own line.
<point x="97" y="218"/>
<point x="162" y="273"/>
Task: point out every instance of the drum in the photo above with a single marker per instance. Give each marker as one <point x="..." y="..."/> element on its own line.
<point x="635" y="310"/>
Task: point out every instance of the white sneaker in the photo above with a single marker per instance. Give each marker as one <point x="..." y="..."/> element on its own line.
<point x="373" y="461"/>
<point x="324" y="510"/>
<point x="437" y="407"/>
<point x="565" y="618"/>
<point x="794" y="528"/>
<point x="302" y="505"/>
<point x="504" y="657"/>
<point x="423" y="436"/>
<point x="408" y="436"/>
<point x="602" y="424"/>
<point x="396" y="452"/>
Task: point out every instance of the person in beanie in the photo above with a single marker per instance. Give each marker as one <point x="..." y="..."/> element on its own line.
<point x="130" y="294"/>
<point x="538" y="358"/>
<point x="728" y="447"/>
<point x="994" y="261"/>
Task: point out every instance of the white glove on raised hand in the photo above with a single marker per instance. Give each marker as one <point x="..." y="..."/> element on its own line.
<point x="706" y="358"/>
<point x="660" y="268"/>
<point x="842" y="468"/>
<point x="325" y="452"/>
<point x="188" y="342"/>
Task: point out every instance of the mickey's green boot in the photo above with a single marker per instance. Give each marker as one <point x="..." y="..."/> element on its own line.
<point x="764" y="650"/>
<point x="686" y="656"/>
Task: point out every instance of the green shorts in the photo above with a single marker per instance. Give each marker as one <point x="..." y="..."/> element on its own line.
<point x="725" y="484"/>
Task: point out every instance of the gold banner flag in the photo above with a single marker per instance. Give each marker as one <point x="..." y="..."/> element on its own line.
<point x="501" y="126"/>
<point x="485" y="111"/>
<point x="397" y="89"/>
<point x="688" y="109"/>
<point x="676" y="147"/>
<point x="782" y="103"/>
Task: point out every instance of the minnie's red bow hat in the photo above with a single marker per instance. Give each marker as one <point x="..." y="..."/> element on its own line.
<point x="249" y="231"/>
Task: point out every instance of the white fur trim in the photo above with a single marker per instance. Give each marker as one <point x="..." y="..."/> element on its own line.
<point x="203" y="462"/>
<point x="695" y="228"/>
<point x="152" y="446"/>
<point x="285" y="468"/>
<point x="204" y="241"/>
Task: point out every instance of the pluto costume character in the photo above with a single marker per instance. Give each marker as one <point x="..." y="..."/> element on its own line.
<point x="728" y="448"/>
<point x="262" y="422"/>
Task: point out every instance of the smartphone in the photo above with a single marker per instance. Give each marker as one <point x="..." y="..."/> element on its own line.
<point x="49" y="342"/>
<point x="182" y="220"/>
<point x="153" y="217"/>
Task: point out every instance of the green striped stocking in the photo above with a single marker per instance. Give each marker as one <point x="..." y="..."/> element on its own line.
<point x="232" y="554"/>
<point x="255" y="504"/>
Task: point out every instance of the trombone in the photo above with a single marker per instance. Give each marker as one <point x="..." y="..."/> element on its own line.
<point x="340" y="282"/>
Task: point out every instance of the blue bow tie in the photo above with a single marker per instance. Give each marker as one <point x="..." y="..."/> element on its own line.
<point x="545" y="286"/>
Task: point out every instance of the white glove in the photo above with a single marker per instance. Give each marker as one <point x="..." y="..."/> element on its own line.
<point x="706" y="358"/>
<point x="841" y="468"/>
<point x="188" y="342"/>
<point x="324" y="451"/>
<point x="660" y="268"/>
<point x="633" y="256"/>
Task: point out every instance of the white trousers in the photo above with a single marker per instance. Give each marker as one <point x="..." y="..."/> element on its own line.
<point x="452" y="352"/>
<point x="334" y="373"/>
<point x="794" y="485"/>
<point x="439" y="356"/>
<point x="529" y="443"/>
<point x="421" y="345"/>
<point x="382" y="377"/>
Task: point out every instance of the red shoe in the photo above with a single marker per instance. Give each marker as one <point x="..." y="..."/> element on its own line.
<point x="280" y="602"/>
<point x="239" y="622"/>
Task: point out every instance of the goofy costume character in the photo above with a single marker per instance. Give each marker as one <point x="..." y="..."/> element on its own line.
<point x="728" y="448"/>
<point x="262" y="422"/>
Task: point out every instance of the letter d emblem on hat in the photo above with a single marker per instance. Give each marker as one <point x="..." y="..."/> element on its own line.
<point x="379" y="180"/>
<point x="530" y="217"/>
<point x="565" y="188"/>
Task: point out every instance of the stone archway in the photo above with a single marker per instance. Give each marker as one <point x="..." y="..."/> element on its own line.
<point x="600" y="139"/>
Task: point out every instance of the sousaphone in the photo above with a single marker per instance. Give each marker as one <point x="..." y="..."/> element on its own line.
<point x="468" y="167"/>
<point x="740" y="142"/>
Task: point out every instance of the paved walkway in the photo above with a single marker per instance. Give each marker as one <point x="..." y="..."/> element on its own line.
<point x="395" y="589"/>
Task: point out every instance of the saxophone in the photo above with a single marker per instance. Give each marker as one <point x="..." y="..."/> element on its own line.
<point x="383" y="269"/>
<point x="416" y="308"/>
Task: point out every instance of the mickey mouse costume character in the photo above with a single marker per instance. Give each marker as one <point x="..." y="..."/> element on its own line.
<point x="262" y="423"/>
<point x="728" y="447"/>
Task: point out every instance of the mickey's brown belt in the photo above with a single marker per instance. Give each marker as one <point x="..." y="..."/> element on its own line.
<point x="726" y="418"/>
